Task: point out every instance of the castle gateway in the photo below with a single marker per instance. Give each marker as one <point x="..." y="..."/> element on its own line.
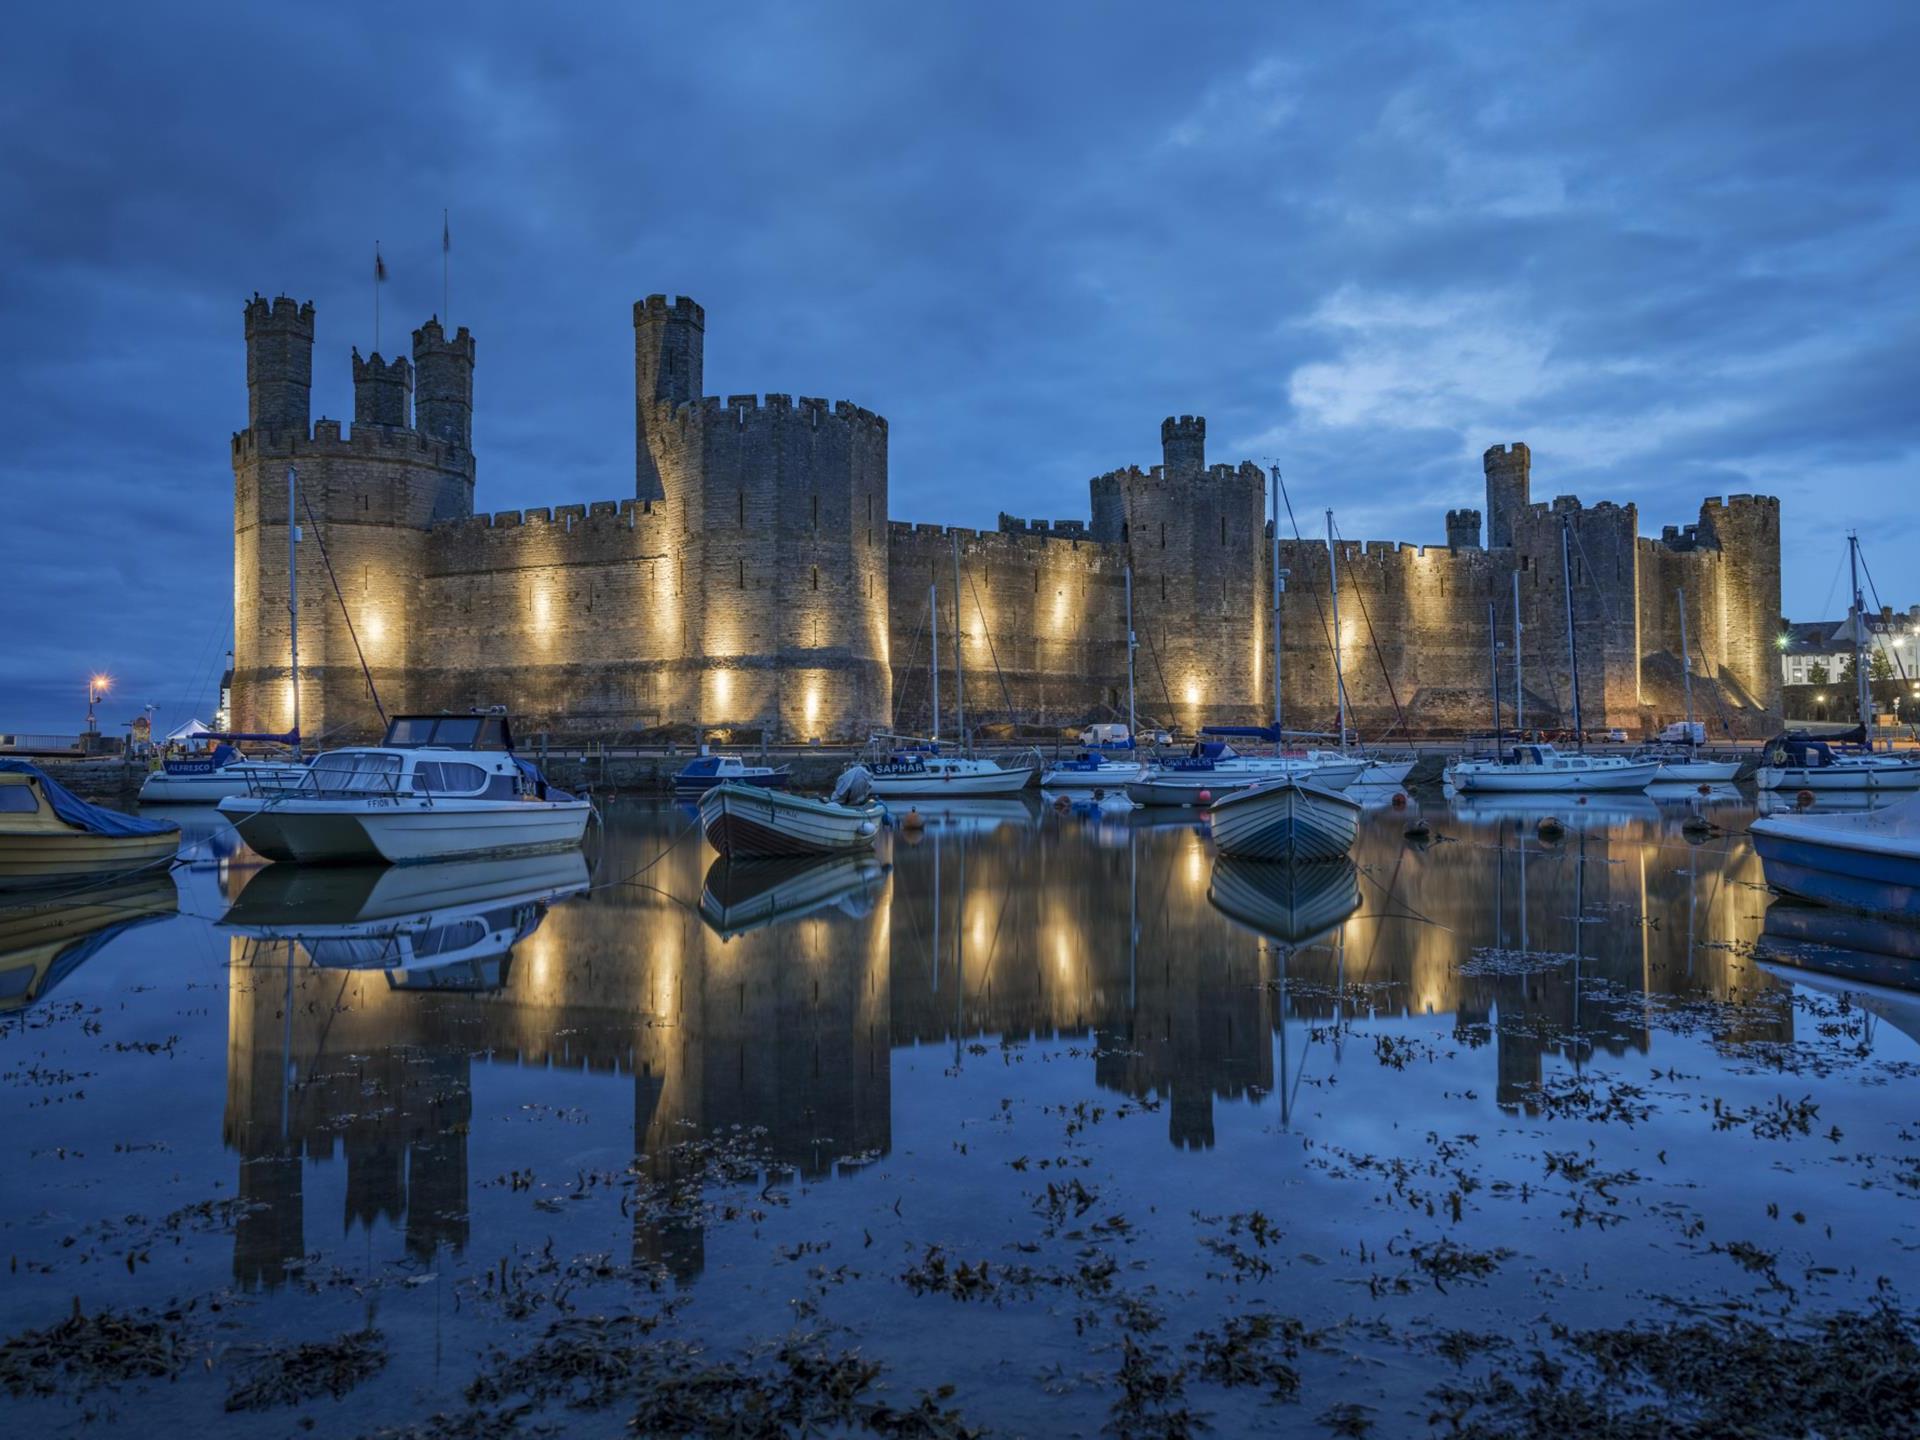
<point x="755" y="579"/>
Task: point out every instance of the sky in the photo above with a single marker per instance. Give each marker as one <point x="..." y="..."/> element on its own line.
<point x="1673" y="248"/>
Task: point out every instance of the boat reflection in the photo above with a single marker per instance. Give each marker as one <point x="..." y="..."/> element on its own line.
<point x="44" y="940"/>
<point x="977" y="814"/>
<point x="444" y="926"/>
<point x="1599" y="809"/>
<point x="1291" y="904"/>
<point x="1874" y="964"/>
<point x="743" y="895"/>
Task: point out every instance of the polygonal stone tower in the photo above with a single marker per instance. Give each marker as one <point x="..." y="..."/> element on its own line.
<point x="669" y="361"/>
<point x="1463" y="529"/>
<point x="1508" y="486"/>
<point x="443" y="371"/>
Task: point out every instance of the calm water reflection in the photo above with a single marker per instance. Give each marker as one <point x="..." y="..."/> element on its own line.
<point x="390" y="1092"/>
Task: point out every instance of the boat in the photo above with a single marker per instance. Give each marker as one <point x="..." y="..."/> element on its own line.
<point x="744" y="894"/>
<point x="752" y="820"/>
<point x="924" y="771"/>
<point x="1291" y="904"/>
<point x="1091" y="770"/>
<point x="1290" y="818"/>
<point x="1869" y="861"/>
<point x="207" y="779"/>
<point x="1378" y="769"/>
<point x="704" y="772"/>
<point x="1797" y="760"/>
<point x="449" y="925"/>
<point x="1687" y="769"/>
<point x="50" y="836"/>
<point x="1541" y="769"/>
<point x="438" y="787"/>
<point x="45" y="939"/>
<point x="1214" y="769"/>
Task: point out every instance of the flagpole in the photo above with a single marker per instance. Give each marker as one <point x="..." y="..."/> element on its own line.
<point x="376" y="297"/>
<point x="446" y="251"/>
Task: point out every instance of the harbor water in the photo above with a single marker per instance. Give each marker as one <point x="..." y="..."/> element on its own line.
<point x="1035" y="1122"/>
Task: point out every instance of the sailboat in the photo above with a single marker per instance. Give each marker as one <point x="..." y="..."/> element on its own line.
<point x="920" y="769"/>
<point x="1799" y="761"/>
<point x="1540" y="767"/>
<point x="1094" y="768"/>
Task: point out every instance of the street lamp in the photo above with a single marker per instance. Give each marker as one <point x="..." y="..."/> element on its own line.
<point x="97" y="688"/>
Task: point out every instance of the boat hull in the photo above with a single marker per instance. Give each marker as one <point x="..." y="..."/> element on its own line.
<point x="31" y="859"/>
<point x="937" y="783"/>
<point x="1539" y="780"/>
<point x="741" y="820"/>
<point x="1176" y="789"/>
<point x="1107" y="777"/>
<point x="1385" y="772"/>
<point x="1698" y="772"/>
<point x="1286" y="820"/>
<point x="700" y="784"/>
<point x="1885" y="885"/>
<point x="403" y="831"/>
<point x="207" y="787"/>
<point x="1838" y="777"/>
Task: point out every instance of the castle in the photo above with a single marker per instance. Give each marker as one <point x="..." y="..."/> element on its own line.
<point x="755" y="581"/>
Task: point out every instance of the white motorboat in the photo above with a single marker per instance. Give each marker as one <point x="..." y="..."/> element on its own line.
<point x="1541" y="769"/>
<point x="1290" y="818"/>
<point x="1798" y="761"/>
<point x="1866" y="861"/>
<point x="209" y="778"/>
<point x="439" y="787"/>
<point x="910" y="774"/>
<point x="744" y="820"/>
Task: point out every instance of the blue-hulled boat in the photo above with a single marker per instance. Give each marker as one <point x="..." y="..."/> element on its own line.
<point x="706" y="771"/>
<point x="1868" y="862"/>
<point x="1289" y="818"/>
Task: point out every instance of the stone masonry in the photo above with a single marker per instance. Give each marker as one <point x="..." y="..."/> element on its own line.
<point x="756" y="580"/>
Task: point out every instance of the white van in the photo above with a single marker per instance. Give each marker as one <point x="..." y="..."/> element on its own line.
<point x="1683" y="732"/>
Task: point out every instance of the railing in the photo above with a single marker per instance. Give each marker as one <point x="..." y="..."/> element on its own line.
<point x="312" y="784"/>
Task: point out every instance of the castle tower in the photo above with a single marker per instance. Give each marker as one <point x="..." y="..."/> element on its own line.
<point x="279" y="364"/>
<point x="1463" y="529"/>
<point x="382" y="392"/>
<point x="1183" y="446"/>
<point x="443" y="370"/>
<point x="669" y="363"/>
<point x="1508" y="486"/>
<point x="370" y="496"/>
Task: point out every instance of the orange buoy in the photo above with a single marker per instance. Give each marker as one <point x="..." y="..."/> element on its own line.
<point x="912" y="821"/>
<point x="1399" y="801"/>
<point x="1803" y="799"/>
<point x="1205" y="797"/>
<point x="1704" y="788"/>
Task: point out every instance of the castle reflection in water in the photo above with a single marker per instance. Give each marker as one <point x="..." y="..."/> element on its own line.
<point x="1035" y="928"/>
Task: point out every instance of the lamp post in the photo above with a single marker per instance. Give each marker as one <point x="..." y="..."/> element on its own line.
<point x="97" y="688"/>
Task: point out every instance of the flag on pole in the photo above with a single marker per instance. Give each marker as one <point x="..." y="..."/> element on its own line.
<point x="446" y="252"/>
<point x="446" y="235"/>
<point x="379" y="265"/>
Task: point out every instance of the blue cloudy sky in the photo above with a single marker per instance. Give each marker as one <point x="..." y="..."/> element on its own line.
<point x="1671" y="247"/>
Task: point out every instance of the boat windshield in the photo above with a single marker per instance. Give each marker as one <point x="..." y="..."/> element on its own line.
<point x="353" y="771"/>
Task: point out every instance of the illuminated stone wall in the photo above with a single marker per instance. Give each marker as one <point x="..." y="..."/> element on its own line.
<point x="756" y="582"/>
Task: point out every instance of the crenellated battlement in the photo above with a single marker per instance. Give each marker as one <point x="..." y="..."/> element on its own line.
<point x="283" y="312"/>
<point x="330" y="438"/>
<point x="625" y="514"/>
<point x="659" y="308"/>
<point x="810" y="410"/>
<point x="1507" y="457"/>
<point x="1055" y="529"/>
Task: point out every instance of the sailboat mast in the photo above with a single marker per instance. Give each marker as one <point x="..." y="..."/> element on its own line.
<point x="1279" y="588"/>
<point x="1519" y="701"/>
<point x="1132" y="723"/>
<point x="1573" y="656"/>
<point x="959" y="676"/>
<point x="1493" y="672"/>
<point x="1339" y="679"/>
<point x="1859" y="624"/>
<point x="933" y="655"/>
<point x="293" y="605"/>
<point x="1686" y="661"/>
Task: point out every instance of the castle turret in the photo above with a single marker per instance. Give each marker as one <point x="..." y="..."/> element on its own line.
<point x="1508" y="489"/>
<point x="1183" y="446"/>
<point x="382" y="391"/>
<point x="669" y="362"/>
<point x="279" y="364"/>
<point x="1463" y="529"/>
<point x="443" y="370"/>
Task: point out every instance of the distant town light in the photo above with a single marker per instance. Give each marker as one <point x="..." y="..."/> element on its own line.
<point x="1783" y="641"/>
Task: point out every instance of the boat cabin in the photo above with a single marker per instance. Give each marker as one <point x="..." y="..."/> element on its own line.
<point x="481" y="730"/>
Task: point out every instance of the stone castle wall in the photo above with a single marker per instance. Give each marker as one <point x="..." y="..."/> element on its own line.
<point x="757" y="581"/>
